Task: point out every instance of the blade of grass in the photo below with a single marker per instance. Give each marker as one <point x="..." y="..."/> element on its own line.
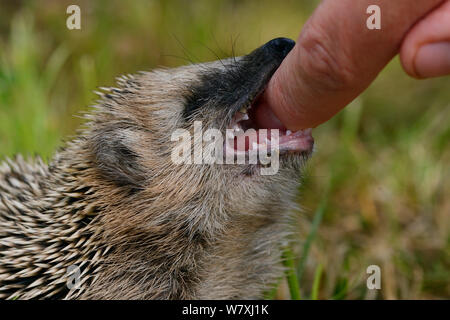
<point x="316" y="283"/>
<point x="291" y="275"/>
<point x="340" y="291"/>
<point x="272" y="293"/>
<point x="311" y="236"/>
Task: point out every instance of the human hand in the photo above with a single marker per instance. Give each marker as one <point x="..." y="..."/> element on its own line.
<point x="336" y="57"/>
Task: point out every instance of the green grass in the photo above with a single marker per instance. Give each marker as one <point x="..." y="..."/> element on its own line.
<point x="291" y="276"/>
<point x="377" y="187"/>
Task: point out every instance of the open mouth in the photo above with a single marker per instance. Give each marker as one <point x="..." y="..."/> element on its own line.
<point x="245" y="136"/>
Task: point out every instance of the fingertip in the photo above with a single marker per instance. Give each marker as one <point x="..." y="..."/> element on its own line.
<point x="424" y="51"/>
<point x="433" y="60"/>
<point x="408" y="52"/>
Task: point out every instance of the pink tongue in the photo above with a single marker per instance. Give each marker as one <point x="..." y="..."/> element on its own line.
<point x="245" y="142"/>
<point x="264" y="117"/>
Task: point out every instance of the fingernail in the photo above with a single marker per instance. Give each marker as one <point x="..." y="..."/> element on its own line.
<point x="433" y="60"/>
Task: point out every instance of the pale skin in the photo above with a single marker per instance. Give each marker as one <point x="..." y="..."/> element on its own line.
<point x="337" y="57"/>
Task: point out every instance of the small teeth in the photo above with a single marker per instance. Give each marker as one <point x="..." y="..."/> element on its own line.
<point x="237" y="130"/>
<point x="245" y="117"/>
<point x="303" y="132"/>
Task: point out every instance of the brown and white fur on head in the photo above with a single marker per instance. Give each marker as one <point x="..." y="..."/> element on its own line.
<point x="138" y="226"/>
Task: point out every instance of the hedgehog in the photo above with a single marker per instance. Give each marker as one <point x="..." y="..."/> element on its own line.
<point x="113" y="217"/>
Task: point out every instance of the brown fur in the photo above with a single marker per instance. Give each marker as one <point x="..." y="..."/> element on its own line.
<point x="139" y="226"/>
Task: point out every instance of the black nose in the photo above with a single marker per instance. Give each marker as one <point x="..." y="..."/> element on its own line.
<point x="280" y="46"/>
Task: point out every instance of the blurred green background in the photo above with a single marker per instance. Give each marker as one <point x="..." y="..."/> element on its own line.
<point x="378" y="185"/>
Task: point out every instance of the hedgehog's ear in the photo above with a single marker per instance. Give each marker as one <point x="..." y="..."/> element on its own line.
<point x="115" y="158"/>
